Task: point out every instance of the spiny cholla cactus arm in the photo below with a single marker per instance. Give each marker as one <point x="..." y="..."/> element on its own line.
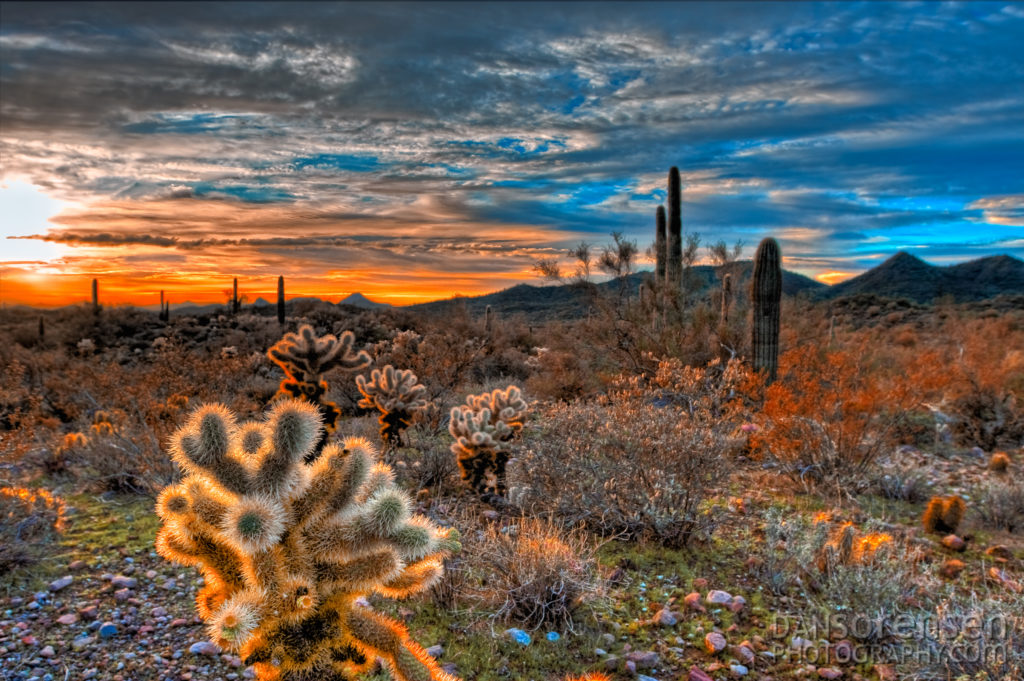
<point x="289" y="550"/>
<point x="482" y="428"/>
<point x="304" y="359"/>
<point x="397" y="395"/>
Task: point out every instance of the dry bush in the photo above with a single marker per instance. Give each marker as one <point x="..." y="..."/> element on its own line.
<point x="625" y="466"/>
<point x="863" y="594"/>
<point x="538" y="573"/>
<point x="1000" y="505"/>
<point x="987" y="418"/>
<point x="29" y="520"/>
<point x="980" y="637"/>
<point x="910" y="486"/>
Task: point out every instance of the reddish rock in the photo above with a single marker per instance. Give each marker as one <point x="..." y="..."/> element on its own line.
<point x="714" y="643"/>
<point x="69" y="618"/>
<point x="951" y="568"/>
<point x="692" y="601"/>
<point x="999" y="553"/>
<point x="829" y="673"/>
<point x="954" y="543"/>
<point x="700" y="584"/>
<point x="697" y="674"/>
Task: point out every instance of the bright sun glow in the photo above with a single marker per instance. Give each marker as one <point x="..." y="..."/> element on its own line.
<point x="25" y="210"/>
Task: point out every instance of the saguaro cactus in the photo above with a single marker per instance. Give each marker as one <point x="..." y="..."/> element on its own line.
<point x="766" y="300"/>
<point x="289" y="552"/>
<point x="305" y="359"/>
<point x="280" y="300"/>
<point x="95" y="296"/>
<point x="726" y="297"/>
<point x="488" y="320"/>
<point x="659" y="245"/>
<point x="234" y="297"/>
<point x="42" y="330"/>
<point x="674" y="233"/>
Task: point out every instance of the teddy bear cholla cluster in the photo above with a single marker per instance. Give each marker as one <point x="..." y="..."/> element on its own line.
<point x="290" y="551"/>
<point x="482" y="428"/>
<point x="396" y="394"/>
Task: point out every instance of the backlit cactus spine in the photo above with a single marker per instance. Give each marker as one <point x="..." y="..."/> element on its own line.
<point x="305" y="359"/>
<point x="766" y="300"/>
<point x="289" y="551"/>
<point x="482" y="429"/>
<point x="397" y="395"/>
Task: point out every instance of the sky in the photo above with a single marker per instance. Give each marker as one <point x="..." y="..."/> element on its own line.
<point x="417" y="151"/>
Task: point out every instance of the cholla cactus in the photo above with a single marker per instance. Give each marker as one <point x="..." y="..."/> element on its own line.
<point x="397" y="395"/>
<point x="305" y="359"/>
<point x="482" y="428"/>
<point x="290" y="551"/>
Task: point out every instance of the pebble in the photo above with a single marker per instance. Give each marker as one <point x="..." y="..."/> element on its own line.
<point x="123" y="582"/>
<point x="77" y="565"/>
<point x="717" y="597"/>
<point x="698" y="674"/>
<point x="714" y="642"/>
<point x="738" y="669"/>
<point x="159" y="612"/>
<point x="82" y="642"/>
<point x="58" y="584"/>
<point x="692" y="601"/>
<point x="69" y="618"/>
<point x="645" y="659"/>
<point x="108" y="630"/>
<point x="435" y="651"/>
<point x="204" y="648"/>
<point x="519" y="636"/>
<point x="48" y="651"/>
<point x="665" y="618"/>
<point x="641" y="677"/>
<point x="829" y="673"/>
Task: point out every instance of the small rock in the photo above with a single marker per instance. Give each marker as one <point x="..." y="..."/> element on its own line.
<point x="89" y="612"/>
<point x="122" y="594"/>
<point x="435" y="651"/>
<point x="552" y="636"/>
<point x="644" y="659"/>
<point x="714" y="643"/>
<point x="999" y="552"/>
<point x="77" y="565"/>
<point x="48" y="651"/>
<point x="204" y="648"/>
<point x="717" y="597"/>
<point x="159" y="611"/>
<point x="951" y="568"/>
<point x="82" y="642"/>
<point x="738" y="670"/>
<point x="665" y="618"/>
<point x="700" y="584"/>
<point x="954" y="543"/>
<point x="692" y="601"/>
<point x="631" y="666"/>
<point x="829" y="673"/>
<point x="698" y="674"/>
<point x="69" y="618"/>
<point x="108" y="630"/>
<point x="641" y="677"/>
<point x="600" y="652"/>
<point x="58" y="584"/>
<point x="737" y="603"/>
<point x="519" y="636"/>
<point x="179" y="622"/>
<point x="123" y="582"/>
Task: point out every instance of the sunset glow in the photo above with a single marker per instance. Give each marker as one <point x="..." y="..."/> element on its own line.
<point x="174" y="147"/>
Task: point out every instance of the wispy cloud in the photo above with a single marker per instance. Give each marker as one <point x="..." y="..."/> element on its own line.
<point x="265" y="136"/>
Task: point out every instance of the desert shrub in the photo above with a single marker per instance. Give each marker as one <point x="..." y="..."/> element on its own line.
<point x="29" y="520"/>
<point x="1000" y="505"/>
<point x="859" y="581"/>
<point x="910" y="486"/>
<point x="537" y="573"/>
<point x="626" y="466"/>
<point x="127" y="461"/>
<point x="980" y="637"/>
<point x="999" y="462"/>
<point x="987" y="418"/>
<point x="828" y="417"/>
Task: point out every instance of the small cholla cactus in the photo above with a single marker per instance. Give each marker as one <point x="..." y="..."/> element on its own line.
<point x="397" y="395"/>
<point x="943" y="514"/>
<point x="482" y="428"/>
<point x="305" y="359"/>
<point x="86" y="346"/>
<point x="847" y="546"/>
<point x="290" y="551"/>
<point x="999" y="463"/>
<point x="106" y="422"/>
<point x="229" y="352"/>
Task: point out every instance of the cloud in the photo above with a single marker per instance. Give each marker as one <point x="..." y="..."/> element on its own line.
<point x="419" y="129"/>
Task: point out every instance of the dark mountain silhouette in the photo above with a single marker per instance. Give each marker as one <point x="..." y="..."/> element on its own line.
<point x="568" y="301"/>
<point x="907" y="276"/>
<point x="359" y="300"/>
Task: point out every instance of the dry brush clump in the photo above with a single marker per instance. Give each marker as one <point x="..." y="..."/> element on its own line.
<point x="626" y="467"/>
<point x="538" y="574"/>
<point x="1000" y="505"/>
<point x="290" y="550"/>
<point x="30" y="520"/>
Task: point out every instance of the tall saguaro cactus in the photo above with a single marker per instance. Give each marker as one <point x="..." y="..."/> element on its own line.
<point x="95" y="296"/>
<point x="674" y="232"/>
<point x="726" y="297"/>
<point x="234" y="297"/>
<point x="766" y="300"/>
<point x="659" y="245"/>
<point x="280" y="300"/>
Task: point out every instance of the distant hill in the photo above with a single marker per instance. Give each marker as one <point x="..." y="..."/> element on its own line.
<point x="359" y="300"/>
<point x="907" y="276"/>
<point x="543" y="303"/>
